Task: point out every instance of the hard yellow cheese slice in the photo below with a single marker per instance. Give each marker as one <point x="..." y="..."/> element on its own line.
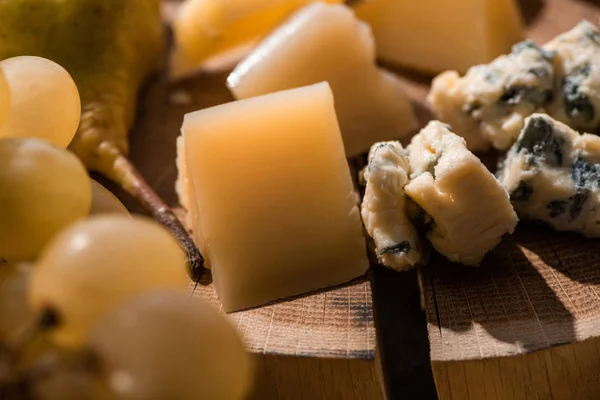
<point x="436" y="35"/>
<point x="273" y="203"/>
<point x="327" y="43"/>
<point x="216" y="31"/>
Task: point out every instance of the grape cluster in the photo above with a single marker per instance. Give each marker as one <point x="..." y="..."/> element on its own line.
<point x="93" y="301"/>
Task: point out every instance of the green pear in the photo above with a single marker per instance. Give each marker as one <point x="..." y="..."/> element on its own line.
<point x="109" y="47"/>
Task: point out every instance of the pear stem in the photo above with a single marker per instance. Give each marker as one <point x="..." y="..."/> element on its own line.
<point x="129" y="178"/>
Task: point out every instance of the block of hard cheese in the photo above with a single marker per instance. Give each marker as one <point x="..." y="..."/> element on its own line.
<point x="324" y="42"/>
<point x="272" y="197"/>
<point x="212" y="32"/>
<point x="436" y="35"/>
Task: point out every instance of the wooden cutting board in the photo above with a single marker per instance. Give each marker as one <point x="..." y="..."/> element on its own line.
<point x="492" y="331"/>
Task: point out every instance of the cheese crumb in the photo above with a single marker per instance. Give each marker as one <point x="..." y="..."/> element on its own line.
<point x="384" y="210"/>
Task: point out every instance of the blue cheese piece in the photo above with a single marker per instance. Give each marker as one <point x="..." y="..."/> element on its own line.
<point x="470" y="209"/>
<point x="553" y="175"/>
<point x="489" y="104"/>
<point x="384" y="207"/>
<point x="577" y="100"/>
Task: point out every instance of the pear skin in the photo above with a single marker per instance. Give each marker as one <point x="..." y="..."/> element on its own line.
<point x="110" y="47"/>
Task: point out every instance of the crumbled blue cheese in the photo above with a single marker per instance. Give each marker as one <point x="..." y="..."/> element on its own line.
<point x="577" y="100"/>
<point x="553" y="175"/>
<point x="384" y="207"/>
<point x="489" y="104"/>
<point x="470" y="209"/>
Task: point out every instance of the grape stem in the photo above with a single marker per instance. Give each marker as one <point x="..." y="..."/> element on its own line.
<point x="124" y="173"/>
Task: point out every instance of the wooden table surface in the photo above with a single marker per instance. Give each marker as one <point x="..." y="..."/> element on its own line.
<point x="401" y="324"/>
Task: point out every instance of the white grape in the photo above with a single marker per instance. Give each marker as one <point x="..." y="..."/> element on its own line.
<point x="4" y="98"/>
<point x="95" y="265"/>
<point x="104" y="202"/>
<point x="169" y="345"/>
<point x="44" y="101"/>
<point x="43" y="189"/>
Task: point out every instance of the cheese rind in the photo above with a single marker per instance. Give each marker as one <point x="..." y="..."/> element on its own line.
<point x="457" y="35"/>
<point x="489" y="104"/>
<point x="185" y="194"/>
<point x="384" y="211"/>
<point x="471" y="210"/>
<point x="275" y="205"/>
<point x="553" y="175"/>
<point x="327" y="43"/>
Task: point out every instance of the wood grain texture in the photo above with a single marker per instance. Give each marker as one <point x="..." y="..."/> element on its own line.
<point x="534" y="291"/>
<point x="304" y="378"/>
<point x="333" y="323"/>
<point x="524" y="325"/>
<point x="558" y="373"/>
